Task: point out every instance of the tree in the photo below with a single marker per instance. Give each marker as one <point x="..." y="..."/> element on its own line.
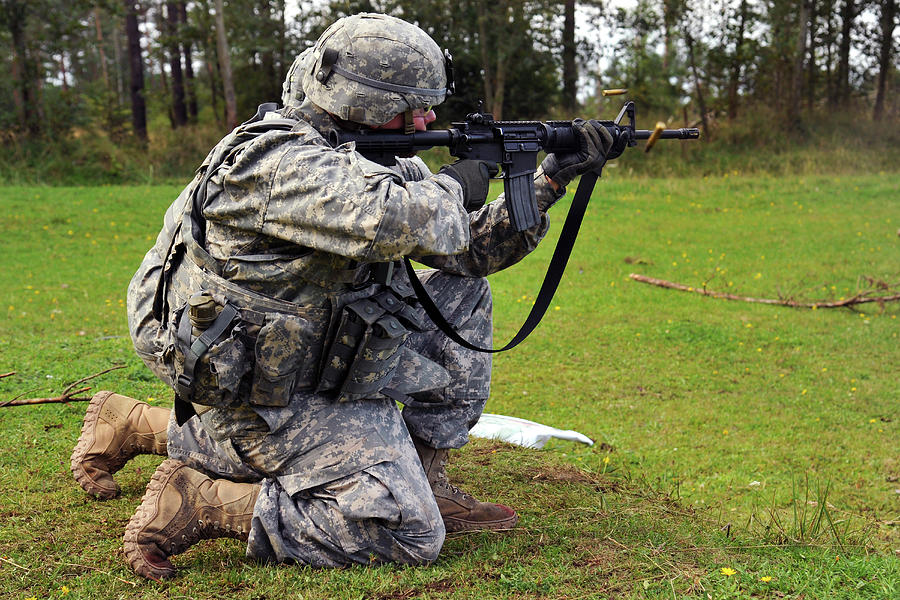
<point x="225" y="67"/>
<point x="849" y="12"/>
<point x="136" y="67"/>
<point x="179" y="108"/>
<point x="737" y="59"/>
<point x="793" y="116"/>
<point x="570" y="73"/>
<point x="190" y="83"/>
<point x="887" y="23"/>
<point x="26" y="70"/>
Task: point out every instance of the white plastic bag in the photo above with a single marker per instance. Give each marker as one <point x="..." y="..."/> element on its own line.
<point x="522" y="432"/>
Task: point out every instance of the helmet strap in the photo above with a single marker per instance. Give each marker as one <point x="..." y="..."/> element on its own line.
<point x="329" y="57"/>
<point x="409" y="123"/>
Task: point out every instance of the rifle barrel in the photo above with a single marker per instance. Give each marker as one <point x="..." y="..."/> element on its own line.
<point x="669" y="134"/>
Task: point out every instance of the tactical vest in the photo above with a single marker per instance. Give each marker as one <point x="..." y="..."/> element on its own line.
<point x="218" y="343"/>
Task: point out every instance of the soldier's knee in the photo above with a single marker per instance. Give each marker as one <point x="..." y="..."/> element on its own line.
<point x="422" y="547"/>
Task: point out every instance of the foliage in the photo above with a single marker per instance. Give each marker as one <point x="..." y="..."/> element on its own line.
<point x="507" y="54"/>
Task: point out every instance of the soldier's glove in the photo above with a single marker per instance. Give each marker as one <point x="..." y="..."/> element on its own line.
<point x="594" y="142"/>
<point x="474" y="176"/>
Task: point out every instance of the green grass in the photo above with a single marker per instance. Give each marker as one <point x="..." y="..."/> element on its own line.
<point x="730" y="435"/>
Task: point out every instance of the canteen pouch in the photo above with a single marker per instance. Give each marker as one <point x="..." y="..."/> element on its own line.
<point x="364" y="353"/>
<point x="210" y="368"/>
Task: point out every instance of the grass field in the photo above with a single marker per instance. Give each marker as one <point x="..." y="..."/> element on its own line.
<point x="743" y="450"/>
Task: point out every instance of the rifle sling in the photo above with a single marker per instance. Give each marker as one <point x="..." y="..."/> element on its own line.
<point x="548" y="288"/>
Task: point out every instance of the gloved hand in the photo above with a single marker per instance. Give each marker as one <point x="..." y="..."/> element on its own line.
<point x="474" y="178"/>
<point x="594" y="142"/>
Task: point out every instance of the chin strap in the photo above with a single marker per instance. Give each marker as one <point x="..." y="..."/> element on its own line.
<point x="548" y="288"/>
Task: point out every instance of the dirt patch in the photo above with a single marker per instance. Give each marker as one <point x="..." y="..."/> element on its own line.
<point x="593" y="556"/>
<point x="570" y="474"/>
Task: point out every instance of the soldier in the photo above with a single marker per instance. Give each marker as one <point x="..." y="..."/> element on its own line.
<point x="269" y="305"/>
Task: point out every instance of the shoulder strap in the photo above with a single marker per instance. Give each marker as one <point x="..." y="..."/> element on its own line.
<point x="548" y="287"/>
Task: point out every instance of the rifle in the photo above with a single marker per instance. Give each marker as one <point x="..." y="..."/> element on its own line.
<point x="512" y="144"/>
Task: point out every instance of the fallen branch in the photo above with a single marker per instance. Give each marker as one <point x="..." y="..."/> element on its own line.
<point x="10" y="374"/>
<point x="859" y="298"/>
<point x="68" y="394"/>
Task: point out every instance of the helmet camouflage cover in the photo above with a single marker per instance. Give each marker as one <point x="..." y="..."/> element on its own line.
<point x="292" y="93"/>
<point x="368" y="68"/>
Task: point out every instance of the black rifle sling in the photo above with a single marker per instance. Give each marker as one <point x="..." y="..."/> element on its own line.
<point x="548" y="288"/>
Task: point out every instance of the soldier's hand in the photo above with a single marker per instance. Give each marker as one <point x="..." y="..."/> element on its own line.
<point x="474" y="176"/>
<point x="594" y="142"/>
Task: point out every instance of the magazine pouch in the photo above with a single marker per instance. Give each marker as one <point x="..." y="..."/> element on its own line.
<point x="363" y="355"/>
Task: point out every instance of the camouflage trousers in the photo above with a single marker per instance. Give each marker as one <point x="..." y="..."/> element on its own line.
<point x="341" y="481"/>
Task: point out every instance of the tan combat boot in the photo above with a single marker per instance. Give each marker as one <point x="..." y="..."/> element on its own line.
<point x="460" y="511"/>
<point x="181" y="507"/>
<point x="116" y="428"/>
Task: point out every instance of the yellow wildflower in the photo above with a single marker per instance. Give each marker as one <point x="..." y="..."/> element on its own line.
<point x="765" y="579"/>
<point x="727" y="571"/>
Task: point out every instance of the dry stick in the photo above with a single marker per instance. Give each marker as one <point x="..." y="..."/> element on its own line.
<point x="54" y="400"/>
<point x="857" y="299"/>
<point x="6" y="560"/>
<point x="10" y="374"/>
<point x="68" y="394"/>
<point x="82" y="380"/>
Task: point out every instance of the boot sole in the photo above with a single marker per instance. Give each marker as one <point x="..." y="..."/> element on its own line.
<point x="134" y="554"/>
<point x="464" y="526"/>
<point x="85" y="441"/>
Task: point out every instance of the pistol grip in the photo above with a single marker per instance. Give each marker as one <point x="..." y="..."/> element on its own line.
<point x="521" y="203"/>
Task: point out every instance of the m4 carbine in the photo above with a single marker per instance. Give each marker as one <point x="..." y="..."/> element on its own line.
<point x="514" y="145"/>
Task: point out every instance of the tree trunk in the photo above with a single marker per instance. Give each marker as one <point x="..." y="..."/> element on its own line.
<point x="136" y="64"/>
<point x="190" y="81"/>
<point x="102" y="54"/>
<point x="831" y="87"/>
<point x="888" y="16"/>
<point x="225" y="66"/>
<point x="483" y="47"/>
<point x="689" y="39"/>
<point x="179" y="108"/>
<point x="570" y="74"/>
<point x="117" y="58"/>
<point x="24" y="71"/>
<point x="736" y="63"/>
<point x="848" y="14"/>
<point x="793" y="116"/>
<point x="812" y="69"/>
<point x="63" y="74"/>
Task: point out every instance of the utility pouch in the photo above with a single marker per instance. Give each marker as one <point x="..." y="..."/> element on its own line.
<point x="364" y="352"/>
<point x="286" y="359"/>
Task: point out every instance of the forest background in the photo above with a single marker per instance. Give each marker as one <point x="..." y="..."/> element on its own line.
<point x="119" y="91"/>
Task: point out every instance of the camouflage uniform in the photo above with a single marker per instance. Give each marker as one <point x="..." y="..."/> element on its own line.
<point x="290" y="230"/>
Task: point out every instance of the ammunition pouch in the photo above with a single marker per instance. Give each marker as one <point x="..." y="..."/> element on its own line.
<point x="365" y="349"/>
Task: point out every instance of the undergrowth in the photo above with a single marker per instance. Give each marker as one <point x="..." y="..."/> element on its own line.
<point x="754" y="144"/>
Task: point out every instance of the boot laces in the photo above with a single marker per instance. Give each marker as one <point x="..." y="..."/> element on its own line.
<point x="443" y="481"/>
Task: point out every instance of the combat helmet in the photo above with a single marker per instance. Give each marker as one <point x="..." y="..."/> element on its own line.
<point x="292" y="93"/>
<point x="368" y="68"/>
